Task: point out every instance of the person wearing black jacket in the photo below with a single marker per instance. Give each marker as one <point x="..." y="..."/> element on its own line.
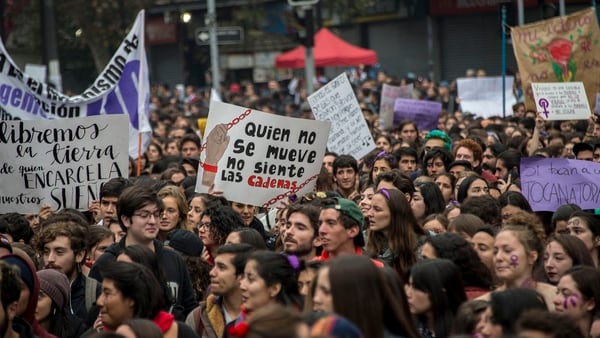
<point x="139" y="211"/>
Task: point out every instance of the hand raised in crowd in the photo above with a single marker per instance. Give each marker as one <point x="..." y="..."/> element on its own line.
<point x="540" y="123"/>
<point x="95" y="209"/>
<point x="45" y="212"/>
<point x="504" y="185"/>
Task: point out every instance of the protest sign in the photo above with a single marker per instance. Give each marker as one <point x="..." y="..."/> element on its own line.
<point x="258" y="158"/>
<point x="337" y="103"/>
<point x="561" y="49"/>
<point x="482" y="96"/>
<point x="597" y="106"/>
<point x="424" y="113"/>
<point x="60" y="163"/>
<point x="121" y="88"/>
<point x="548" y="183"/>
<point x="561" y="100"/>
<point x="389" y="94"/>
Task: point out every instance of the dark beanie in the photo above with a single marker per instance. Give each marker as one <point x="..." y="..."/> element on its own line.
<point x="26" y="273"/>
<point x="55" y="284"/>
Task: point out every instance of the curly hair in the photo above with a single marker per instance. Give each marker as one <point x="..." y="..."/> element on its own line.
<point x="223" y="220"/>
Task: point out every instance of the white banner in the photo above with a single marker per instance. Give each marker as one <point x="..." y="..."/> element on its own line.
<point x="482" y="96"/>
<point x="259" y="158"/>
<point x="561" y="100"/>
<point x="59" y="163"/>
<point x="121" y="88"/>
<point x="337" y="103"/>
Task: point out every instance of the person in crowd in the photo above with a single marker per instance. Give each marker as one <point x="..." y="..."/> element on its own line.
<point x="302" y="231"/>
<point x="472" y="186"/>
<point x="222" y="306"/>
<point x="436" y="139"/>
<point x="98" y="240"/>
<point x="12" y="324"/>
<point x="139" y="211"/>
<point x="586" y="227"/>
<point x="246" y="236"/>
<point x="512" y="202"/>
<point x="446" y="182"/>
<point x="52" y="304"/>
<point x="328" y="159"/>
<point x="394" y="179"/>
<point x="189" y="146"/>
<point x="153" y="155"/>
<point x="578" y="290"/>
<point x="490" y="155"/>
<point x="139" y="328"/>
<point x="216" y="222"/>
<point x="427" y="200"/>
<point x="469" y="318"/>
<point x="366" y="194"/>
<point x="434" y="291"/>
<point x="340" y="229"/>
<point x="269" y="278"/>
<point x="16" y="228"/>
<point x="541" y="323"/>
<point x="382" y="162"/>
<point x="345" y="171"/>
<point x="475" y="275"/>
<point x="372" y="307"/>
<point x="483" y="243"/>
<point x="383" y="142"/>
<point x="106" y="207"/>
<point x="436" y="161"/>
<point x="407" y="160"/>
<point x="471" y="151"/>
<point x="409" y="132"/>
<point x="248" y="214"/>
<point x="465" y="225"/>
<point x="506" y="307"/>
<point x="435" y="224"/>
<point x="333" y="325"/>
<point x="563" y="252"/>
<point x="485" y="207"/>
<point x="271" y="321"/>
<point x="124" y="298"/>
<point x="519" y="256"/>
<point x="558" y="222"/>
<point x="393" y="231"/>
<point x="175" y="211"/>
<point x="62" y="246"/>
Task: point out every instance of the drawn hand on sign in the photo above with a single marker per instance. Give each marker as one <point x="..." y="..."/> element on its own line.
<point x="216" y="144"/>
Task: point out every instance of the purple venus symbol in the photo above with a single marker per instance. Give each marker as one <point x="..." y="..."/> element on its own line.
<point x="544" y="104"/>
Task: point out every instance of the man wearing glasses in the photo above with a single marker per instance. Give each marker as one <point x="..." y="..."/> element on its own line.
<point x="139" y="211"/>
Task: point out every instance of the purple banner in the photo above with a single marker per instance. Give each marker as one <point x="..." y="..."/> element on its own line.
<point x="548" y="183"/>
<point x="424" y="113"/>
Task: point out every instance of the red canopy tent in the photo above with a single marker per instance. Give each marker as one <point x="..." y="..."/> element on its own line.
<point x="329" y="51"/>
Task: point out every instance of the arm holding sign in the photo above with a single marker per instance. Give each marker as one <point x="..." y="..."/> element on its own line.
<point x="534" y="144"/>
<point x="589" y="133"/>
<point x="216" y="144"/>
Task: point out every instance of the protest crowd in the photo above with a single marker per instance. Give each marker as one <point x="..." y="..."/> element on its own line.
<point x="428" y="235"/>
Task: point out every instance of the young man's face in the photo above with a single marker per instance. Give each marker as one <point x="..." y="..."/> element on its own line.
<point x="189" y="149"/>
<point x="223" y="279"/>
<point x="108" y="208"/>
<point x="332" y="233"/>
<point x="299" y="235"/>
<point x="58" y="255"/>
<point x="345" y="178"/>
<point x="142" y="226"/>
<point x="465" y="154"/>
<point x="407" y="164"/>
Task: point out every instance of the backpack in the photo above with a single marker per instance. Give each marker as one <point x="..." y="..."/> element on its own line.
<point x="90" y="292"/>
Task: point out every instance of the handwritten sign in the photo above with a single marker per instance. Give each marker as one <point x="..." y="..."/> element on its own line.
<point x="424" y="113"/>
<point x="389" y="94"/>
<point x="258" y="158"/>
<point x="60" y="163"/>
<point x="337" y="103"/>
<point x="561" y="100"/>
<point x="482" y="96"/>
<point x="548" y="183"/>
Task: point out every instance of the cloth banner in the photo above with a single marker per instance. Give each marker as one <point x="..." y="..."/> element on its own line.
<point x="562" y="49"/>
<point x="122" y="87"/>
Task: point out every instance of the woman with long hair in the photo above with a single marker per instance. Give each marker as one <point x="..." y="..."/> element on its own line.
<point x="586" y="227"/>
<point x="269" y="278"/>
<point x="562" y="253"/>
<point x="427" y="200"/>
<point x="519" y="248"/>
<point x="512" y="202"/>
<point x="446" y="182"/>
<point x="174" y="215"/>
<point x="472" y="186"/>
<point x="435" y="290"/>
<point x="382" y="162"/>
<point x="216" y="222"/>
<point x="393" y="231"/>
<point x="365" y="299"/>
<point x="577" y="296"/>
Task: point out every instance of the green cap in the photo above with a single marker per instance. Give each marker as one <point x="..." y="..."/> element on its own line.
<point x="347" y="207"/>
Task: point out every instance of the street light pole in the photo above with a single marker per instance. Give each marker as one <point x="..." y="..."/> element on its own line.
<point x="309" y="63"/>
<point x="211" y="22"/>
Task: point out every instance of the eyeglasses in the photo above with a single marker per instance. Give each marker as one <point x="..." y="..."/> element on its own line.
<point x="203" y="225"/>
<point x="147" y="214"/>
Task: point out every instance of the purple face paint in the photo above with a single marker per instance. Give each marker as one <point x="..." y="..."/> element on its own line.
<point x="514" y="261"/>
<point x="572" y="299"/>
